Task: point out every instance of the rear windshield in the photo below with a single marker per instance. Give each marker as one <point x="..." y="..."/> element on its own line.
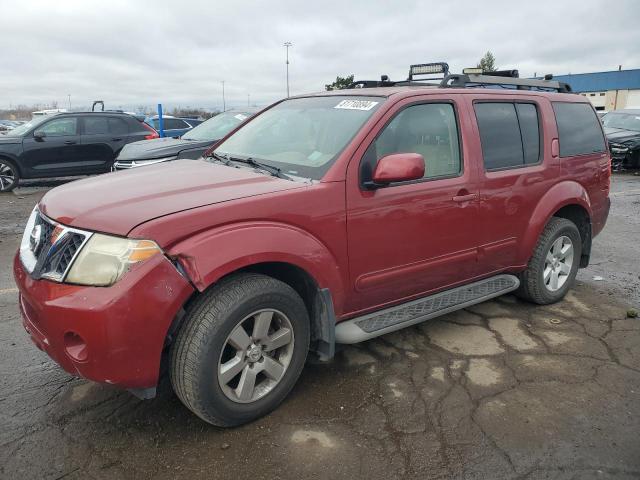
<point x="302" y="136"/>
<point x="579" y="129"/>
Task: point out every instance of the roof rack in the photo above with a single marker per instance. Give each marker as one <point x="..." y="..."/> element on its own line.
<point x="471" y="77"/>
<point x="502" y="79"/>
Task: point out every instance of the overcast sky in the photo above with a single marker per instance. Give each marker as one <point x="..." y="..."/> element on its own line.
<point x="131" y="53"/>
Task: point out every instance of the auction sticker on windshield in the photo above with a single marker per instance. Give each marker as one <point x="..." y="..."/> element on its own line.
<point x="356" y="104"/>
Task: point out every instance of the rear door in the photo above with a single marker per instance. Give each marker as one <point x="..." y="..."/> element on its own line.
<point x="57" y="153"/>
<point x="516" y="169"/>
<point x="102" y="138"/>
<point x="411" y="238"/>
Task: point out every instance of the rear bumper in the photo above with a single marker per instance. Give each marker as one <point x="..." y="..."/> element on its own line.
<point x="112" y="335"/>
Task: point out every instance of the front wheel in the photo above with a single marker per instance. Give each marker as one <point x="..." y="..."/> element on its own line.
<point x="241" y="349"/>
<point x="554" y="264"/>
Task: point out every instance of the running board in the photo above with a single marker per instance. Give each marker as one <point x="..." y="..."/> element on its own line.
<point x="391" y="319"/>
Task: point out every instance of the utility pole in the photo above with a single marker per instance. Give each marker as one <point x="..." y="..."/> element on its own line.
<point x="224" y="105"/>
<point x="287" y="45"/>
<point x="69" y="95"/>
<point x="248" y="99"/>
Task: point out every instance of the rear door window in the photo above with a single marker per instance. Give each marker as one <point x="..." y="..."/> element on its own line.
<point x="118" y="126"/>
<point x="174" y="124"/>
<point x="509" y="134"/>
<point x="95" y="125"/>
<point x="530" y="130"/>
<point x="579" y="129"/>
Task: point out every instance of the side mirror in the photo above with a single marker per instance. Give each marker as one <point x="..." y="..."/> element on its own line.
<point x="39" y="135"/>
<point x="398" y="167"/>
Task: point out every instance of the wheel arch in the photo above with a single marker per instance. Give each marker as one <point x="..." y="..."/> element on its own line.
<point x="14" y="162"/>
<point x="567" y="199"/>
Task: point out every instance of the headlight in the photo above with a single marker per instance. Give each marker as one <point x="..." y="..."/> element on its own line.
<point x="104" y="259"/>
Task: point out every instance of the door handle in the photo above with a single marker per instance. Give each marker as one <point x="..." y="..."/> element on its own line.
<point x="465" y="198"/>
<point x="69" y="142"/>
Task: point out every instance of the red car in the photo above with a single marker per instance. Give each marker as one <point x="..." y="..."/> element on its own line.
<point x="327" y="218"/>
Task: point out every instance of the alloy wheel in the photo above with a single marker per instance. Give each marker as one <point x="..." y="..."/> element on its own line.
<point x="7" y="176"/>
<point x="255" y="356"/>
<point x="558" y="263"/>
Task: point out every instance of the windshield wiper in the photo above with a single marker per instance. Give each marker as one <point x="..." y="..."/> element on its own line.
<point x="275" y="171"/>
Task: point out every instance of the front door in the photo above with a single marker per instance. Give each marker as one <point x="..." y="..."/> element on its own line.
<point x="411" y="238"/>
<point x="55" y="153"/>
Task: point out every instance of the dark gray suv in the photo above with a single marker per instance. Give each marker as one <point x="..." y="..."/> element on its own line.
<point x="67" y="144"/>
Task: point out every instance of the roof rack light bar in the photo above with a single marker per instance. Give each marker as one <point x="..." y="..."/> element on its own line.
<point x="428" y="69"/>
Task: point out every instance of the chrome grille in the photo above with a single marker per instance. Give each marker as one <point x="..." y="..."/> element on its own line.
<point x="48" y="248"/>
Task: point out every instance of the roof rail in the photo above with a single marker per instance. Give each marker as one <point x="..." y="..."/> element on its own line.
<point x="456" y="80"/>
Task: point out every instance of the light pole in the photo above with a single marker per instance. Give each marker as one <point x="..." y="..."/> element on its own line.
<point x="248" y="99"/>
<point x="287" y="45"/>
<point x="224" y="105"/>
<point x="69" y="95"/>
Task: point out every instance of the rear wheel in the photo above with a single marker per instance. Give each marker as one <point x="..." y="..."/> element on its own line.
<point x="241" y="349"/>
<point x="9" y="175"/>
<point x="554" y="264"/>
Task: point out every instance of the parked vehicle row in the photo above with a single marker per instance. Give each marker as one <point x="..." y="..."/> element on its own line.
<point x="66" y="144"/>
<point x="327" y="218"/>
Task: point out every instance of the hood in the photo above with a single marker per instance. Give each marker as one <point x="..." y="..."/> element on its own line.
<point x="117" y="202"/>
<point x="158" y="148"/>
<point x="618" y="135"/>
<point x="5" y="140"/>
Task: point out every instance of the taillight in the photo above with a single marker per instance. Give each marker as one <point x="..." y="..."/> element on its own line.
<point x="153" y="133"/>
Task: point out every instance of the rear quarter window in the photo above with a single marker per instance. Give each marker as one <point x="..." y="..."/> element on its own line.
<point x="579" y="129"/>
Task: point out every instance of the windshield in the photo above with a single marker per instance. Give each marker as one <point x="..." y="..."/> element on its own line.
<point x="302" y="136"/>
<point x="25" y="127"/>
<point x="626" y="121"/>
<point x="217" y="127"/>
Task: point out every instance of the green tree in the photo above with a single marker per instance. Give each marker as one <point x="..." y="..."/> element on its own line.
<point x="340" y="83"/>
<point x="488" y="62"/>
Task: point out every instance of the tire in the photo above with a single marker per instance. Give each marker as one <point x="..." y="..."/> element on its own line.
<point x="210" y="338"/>
<point x="537" y="281"/>
<point x="9" y="175"/>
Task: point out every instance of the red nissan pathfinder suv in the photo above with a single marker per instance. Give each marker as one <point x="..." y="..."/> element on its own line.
<point x="327" y="218"/>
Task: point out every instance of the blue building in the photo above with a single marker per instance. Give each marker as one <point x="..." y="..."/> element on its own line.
<point x="607" y="90"/>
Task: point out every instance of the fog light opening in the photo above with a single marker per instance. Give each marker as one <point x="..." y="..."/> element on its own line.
<point x="75" y="347"/>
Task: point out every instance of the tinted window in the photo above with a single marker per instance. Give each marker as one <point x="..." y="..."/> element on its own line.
<point x="578" y="129"/>
<point x="509" y="134"/>
<point x="529" y="128"/>
<point x="118" y="126"/>
<point x="60" y="127"/>
<point x="499" y="135"/>
<point x="95" y="125"/>
<point x="429" y="130"/>
<point x="174" y="123"/>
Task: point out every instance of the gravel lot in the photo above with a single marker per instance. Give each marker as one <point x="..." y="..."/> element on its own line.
<point x="500" y="390"/>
